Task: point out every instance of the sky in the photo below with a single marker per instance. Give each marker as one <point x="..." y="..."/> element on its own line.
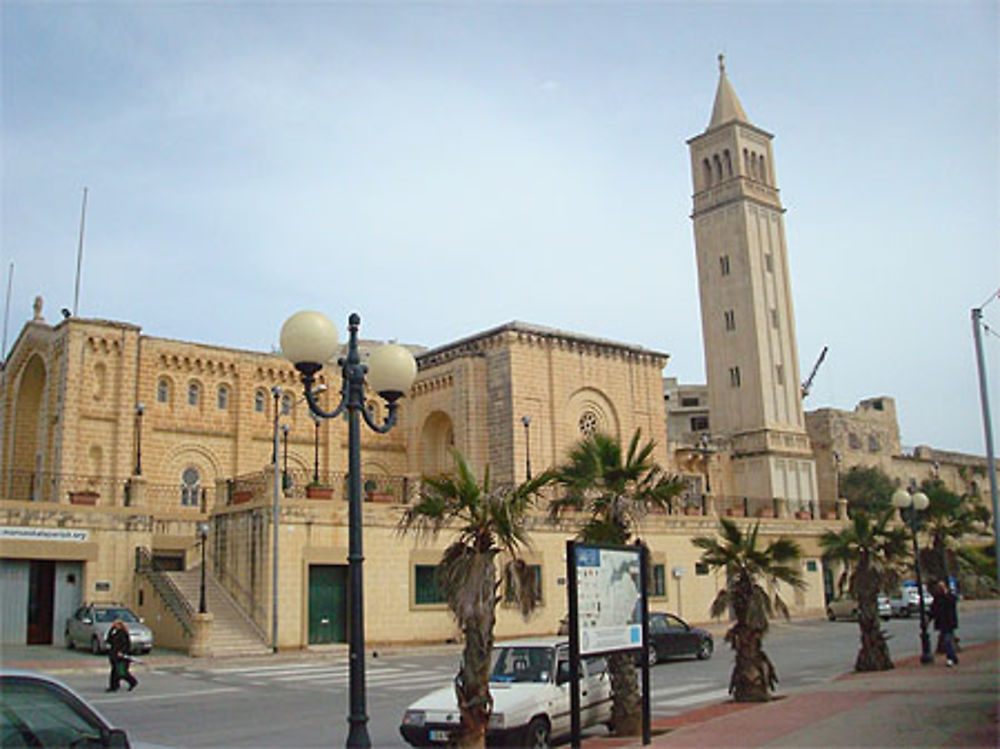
<point x="444" y="168"/>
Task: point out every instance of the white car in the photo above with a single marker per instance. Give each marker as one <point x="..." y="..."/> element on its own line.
<point x="530" y="686"/>
<point x="906" y="601"/>
<point x="846" y="607"/>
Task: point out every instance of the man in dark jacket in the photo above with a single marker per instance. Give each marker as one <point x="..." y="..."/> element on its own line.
<point x="944" y="612"/>
<point x="119" y="647"/>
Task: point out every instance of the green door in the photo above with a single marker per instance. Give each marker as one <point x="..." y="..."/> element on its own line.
<point x="327" y="603"/>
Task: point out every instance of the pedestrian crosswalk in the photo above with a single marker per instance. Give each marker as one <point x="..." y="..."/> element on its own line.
<point x="393" y="677"/>
<point x="674" y="699"/>
<point x="405" y="676"/>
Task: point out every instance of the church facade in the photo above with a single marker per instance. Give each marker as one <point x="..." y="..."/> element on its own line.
<point x="122" y="453"/>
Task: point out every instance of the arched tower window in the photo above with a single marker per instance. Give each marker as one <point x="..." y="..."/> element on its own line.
<point x="753" y="165"/>
<point x="762" y="168"/>
<point x="259" y="401"/>
<point x="190" y="487"/>
<point x="729" y="162"/>
<point x="718" y="167"/>
<point x="163" y="390"/>
<point x="222" y="399"/>
<point x="194" y="394"/>
<point x="707" y="169"/>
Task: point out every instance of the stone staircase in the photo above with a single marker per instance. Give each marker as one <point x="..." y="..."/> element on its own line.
<point x="232" y="632"/>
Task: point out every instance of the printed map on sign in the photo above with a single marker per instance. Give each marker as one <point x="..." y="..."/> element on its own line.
<point x="608" y="599"/>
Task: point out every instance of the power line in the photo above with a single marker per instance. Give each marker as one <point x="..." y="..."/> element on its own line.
<point x="990" y="298"/>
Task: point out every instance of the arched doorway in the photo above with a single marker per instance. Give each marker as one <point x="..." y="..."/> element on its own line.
<point x="437" y="439"/>
<point x="28" y="435"/>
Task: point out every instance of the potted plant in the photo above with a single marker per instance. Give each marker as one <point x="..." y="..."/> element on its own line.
<point x="316" y="490"/>
<point x="241" y="495"/>
<point x="84" y="497"/>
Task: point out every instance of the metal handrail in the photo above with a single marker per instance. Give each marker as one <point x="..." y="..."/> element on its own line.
<point x="244" y="600"/>
<point x="176" y="603"/>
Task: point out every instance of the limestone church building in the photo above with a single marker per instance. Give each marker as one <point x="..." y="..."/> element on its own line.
<point x="121" y="453"/>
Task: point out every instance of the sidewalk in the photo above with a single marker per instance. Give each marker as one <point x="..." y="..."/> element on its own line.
<point x="913" y="706"/>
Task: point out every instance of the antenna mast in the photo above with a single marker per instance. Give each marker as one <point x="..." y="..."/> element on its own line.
<point x="79" y="254"/>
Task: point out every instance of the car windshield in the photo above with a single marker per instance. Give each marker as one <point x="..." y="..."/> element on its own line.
<point x="106" y="616"/>
<point x="36" y="714"/>
<point x="522" y="663"/>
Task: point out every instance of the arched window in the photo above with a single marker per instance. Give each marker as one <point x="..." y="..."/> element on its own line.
<point x="286" y="404"/>
<point x="190" y="487"/>
<point x="222" y="399"/>
<point x="746" y="161"/>
<point x="707" y="168"/>
<point x="753" y="165"/>
<point x="763" y="170"/>
<point x="729" y="162"/>
<point x="194" y="394"/>
<point x="589" y="423"/>
<point x="259" y="401"/>
<point x="718" y="167"/>
<point x="163" y="390"/>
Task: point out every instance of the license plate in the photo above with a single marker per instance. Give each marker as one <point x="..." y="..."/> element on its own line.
<point x="439" y="736"/>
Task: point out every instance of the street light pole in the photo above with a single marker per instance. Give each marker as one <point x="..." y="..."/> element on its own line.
<point x="139" y="409"/>
<point x="316" y="421"/>
<point x="203" y="534"/>
<point x="275" y="517"/>
<point x="309" y="339"/>
<point x="526" y="420"/>
<point x="911" y="504"/>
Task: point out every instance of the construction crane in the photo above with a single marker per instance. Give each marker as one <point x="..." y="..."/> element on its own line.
<point x="812" y="375"/>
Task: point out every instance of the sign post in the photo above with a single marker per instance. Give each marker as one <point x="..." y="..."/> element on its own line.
<point x="608" y="613"/>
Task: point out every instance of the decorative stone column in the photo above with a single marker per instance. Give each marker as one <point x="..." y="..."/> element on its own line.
<point x="136" y="491"/>
<point x="201" y="637"/>
<point x="841" y="509"/>
<point x="783" y="507"/>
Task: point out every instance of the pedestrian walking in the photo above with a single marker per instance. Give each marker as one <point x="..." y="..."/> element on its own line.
<point x="119" y="649"/>
<point x="944" y="612"/>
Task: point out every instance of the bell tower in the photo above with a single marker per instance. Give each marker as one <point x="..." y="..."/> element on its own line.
<point x="748" y="325"/>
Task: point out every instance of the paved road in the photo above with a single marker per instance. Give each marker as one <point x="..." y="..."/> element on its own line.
<point x="302" y="702"/>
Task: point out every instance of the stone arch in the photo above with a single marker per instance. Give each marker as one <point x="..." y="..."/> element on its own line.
<point x="437" y="439"/>
<point x="28" y="435"/>
<point x="588" y="410"/>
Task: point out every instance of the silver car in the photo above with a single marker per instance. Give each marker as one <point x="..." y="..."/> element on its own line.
<point x="88" y="628"/>
<point x="846" y="607"/>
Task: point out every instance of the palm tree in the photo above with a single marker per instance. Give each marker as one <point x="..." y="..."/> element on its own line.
<point x="948" y="518"/>
<point x="871" y="553"/>
<point x="489" y="522"/>
<point x="748" y="570"/>
<point x="615" y="491"/>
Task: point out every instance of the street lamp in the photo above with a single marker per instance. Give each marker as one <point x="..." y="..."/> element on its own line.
<point x="275" y="516"/>
<point x="286" y="483"/>
<point x="203" y="535"/>
<point x="309" y="340"/>
<point x="526" y="420"/>
<point x="317" y="421"/>
<point x="902" y="499"/>
<point x="139" y="409"/>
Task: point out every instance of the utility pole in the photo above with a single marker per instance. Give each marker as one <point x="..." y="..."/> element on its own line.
<point x="977" y="317"/>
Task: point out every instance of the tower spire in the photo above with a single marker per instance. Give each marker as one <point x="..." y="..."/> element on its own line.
<point x="727" y="107"/>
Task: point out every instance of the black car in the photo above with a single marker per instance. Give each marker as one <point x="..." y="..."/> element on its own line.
<point x="672" y="637"/>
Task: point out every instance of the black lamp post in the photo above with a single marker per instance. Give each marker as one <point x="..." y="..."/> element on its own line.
<point x="285" y="478"/>
<point x="203" y="535"/>
<point x="911" y="504"/>
<point x="317" y="421"/>
<point x="526" y="420"/>
<point x="139" y="409"/>
<point x="309" y="340"/>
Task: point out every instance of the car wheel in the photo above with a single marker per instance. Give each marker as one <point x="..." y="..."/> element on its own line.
<point x="95" y="645"/>
<point x="537" y="735"/>
<point x="830" y="615"/>
<point x="652" y="658"/>
<point x="705" y="650"/>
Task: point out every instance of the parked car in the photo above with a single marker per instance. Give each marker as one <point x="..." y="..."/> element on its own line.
<point x="846" y="607"/>
<point x="906" y="601"/>
<point x="39" y="711"/>
<point x="530" y="686"/>
<point x="88" y="628"/>
<point x="672" y="637"/>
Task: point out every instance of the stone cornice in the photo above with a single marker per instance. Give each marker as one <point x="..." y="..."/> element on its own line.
<point x="535" y="335"/>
